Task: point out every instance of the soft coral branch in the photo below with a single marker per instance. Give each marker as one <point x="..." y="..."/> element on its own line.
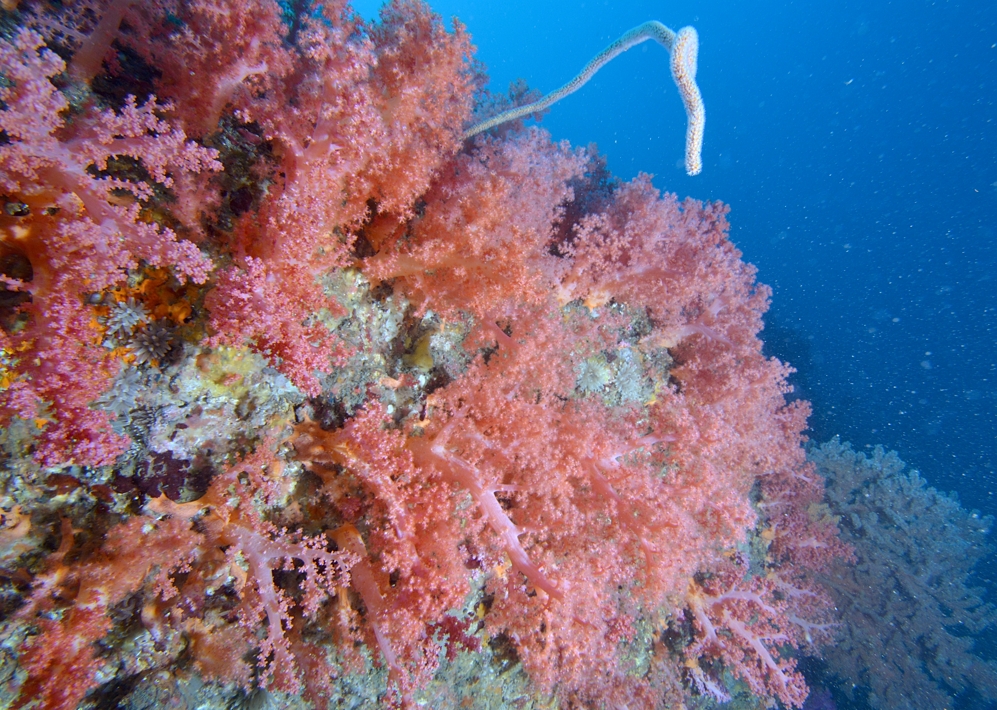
<point x="237" y="540"/>
<point x="373" y="120"/>
<point x="79" y="235"/>
<point x="62" y="661"/>
<point x="745" y="625"/>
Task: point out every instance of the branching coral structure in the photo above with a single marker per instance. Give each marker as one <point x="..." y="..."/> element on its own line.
<point x="365" y="398"/>
<point x="909" y="608"/>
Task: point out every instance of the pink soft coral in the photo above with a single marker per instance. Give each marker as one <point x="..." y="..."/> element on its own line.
<point x="373" y="119"/>
<point x="599" y="459"/>
<point x="573" y="500"/>
<point x="482" y="242"/>
<point x="80" y="230"/>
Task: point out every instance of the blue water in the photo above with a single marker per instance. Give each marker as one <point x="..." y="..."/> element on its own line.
<point x="856" y="143"/>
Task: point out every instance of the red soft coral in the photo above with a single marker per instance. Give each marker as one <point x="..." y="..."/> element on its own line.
<point x="80" y="227"/>
<point x="482" y="244"/>
<point x="603" y="457"/>
<point x="62" y="661"/>
<point x="749" y="624"/>
<point x="372" y="120"/>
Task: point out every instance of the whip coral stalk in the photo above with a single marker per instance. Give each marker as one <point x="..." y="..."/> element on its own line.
<point x="683" y="50"/>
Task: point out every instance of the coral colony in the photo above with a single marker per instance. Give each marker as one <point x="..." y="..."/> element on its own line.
<point x="303" y="391"/>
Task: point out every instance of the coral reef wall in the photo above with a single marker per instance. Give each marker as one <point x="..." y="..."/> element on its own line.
<point x="298" y="387"/>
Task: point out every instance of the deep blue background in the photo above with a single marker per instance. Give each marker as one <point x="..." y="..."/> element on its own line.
<point x="856" y="144"/>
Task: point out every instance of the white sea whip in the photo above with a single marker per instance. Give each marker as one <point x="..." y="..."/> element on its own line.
<point x="683" y="49"/>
